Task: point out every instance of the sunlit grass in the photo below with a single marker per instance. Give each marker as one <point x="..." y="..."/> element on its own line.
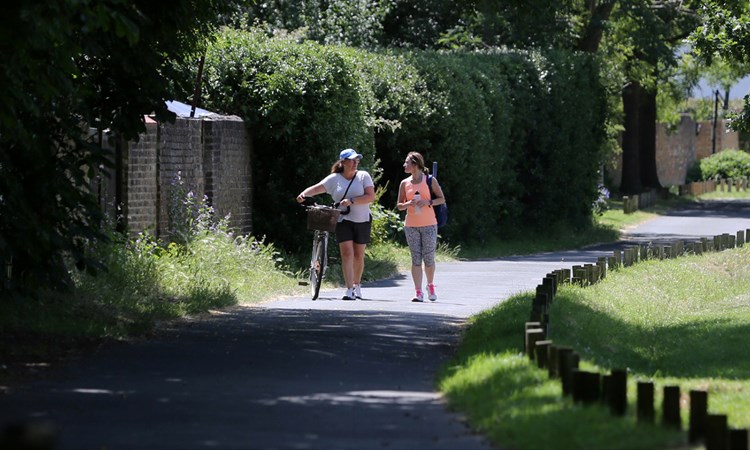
<point x="682" y="321"/>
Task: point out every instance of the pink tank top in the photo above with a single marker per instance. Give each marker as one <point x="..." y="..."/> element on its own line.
<point x="426" y="216"/>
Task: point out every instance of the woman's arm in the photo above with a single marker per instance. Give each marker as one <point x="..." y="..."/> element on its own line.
<point x="315" y="189"/>
<point x="402" y="203"/>
<point x="438" y="191"/>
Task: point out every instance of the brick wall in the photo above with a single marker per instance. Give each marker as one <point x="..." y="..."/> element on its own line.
<point x="212" y="155"/>
<point x="677" y="149"/>
<point x="143" y="189"/>
<point x="227" y="170"/>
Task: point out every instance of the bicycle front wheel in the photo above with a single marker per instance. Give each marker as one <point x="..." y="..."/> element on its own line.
<point x="318" y="262"/>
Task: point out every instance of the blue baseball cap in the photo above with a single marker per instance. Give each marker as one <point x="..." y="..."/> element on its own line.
<point x="349" y="153"/>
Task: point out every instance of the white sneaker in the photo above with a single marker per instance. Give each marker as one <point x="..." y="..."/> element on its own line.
<point x="431" y="291"/>
<point x="349" y="294"/>
<point x="358" y="291"/>
<point x="419" y="297"/>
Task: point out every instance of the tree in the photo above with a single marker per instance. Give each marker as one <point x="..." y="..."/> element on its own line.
<point x="68" y="66"/>
<point x="725" y="32"/>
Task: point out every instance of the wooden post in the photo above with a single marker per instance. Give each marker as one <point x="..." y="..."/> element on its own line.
<point x="550" y="285"/>
<point x="526" y="327"/>
<point x="679" y="248"/>
<point x="671" y="407"/>
<point x="590" y="275"/>
<point x="586" y="386"/>
<point x="538" y="307"/>
<point x="565" y="365"/>
<point x="532" y="336"/>
<point x="552" y="361"/>
<point x="698" y="413"/>
<point x="717" y="433"/>
<point x="580" y="273"/>
<point x="740" y="238"/>
<point x="606" y="387"/>
<point x="645" y="401"/>
<point x="542" y="352"/>
<point x="601" y="261"/>
<point x="617" y="394"/>
<point x="738" y="438"/>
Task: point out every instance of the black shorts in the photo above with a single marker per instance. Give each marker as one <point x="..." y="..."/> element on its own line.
<point x="359" y="232"/>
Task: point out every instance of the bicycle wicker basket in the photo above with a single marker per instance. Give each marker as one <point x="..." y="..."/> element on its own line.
<point x="323" y="219"/>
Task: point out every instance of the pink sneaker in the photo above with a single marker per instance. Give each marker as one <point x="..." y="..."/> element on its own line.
<point x="419" y="297"/>
<point x="431" y="290"/>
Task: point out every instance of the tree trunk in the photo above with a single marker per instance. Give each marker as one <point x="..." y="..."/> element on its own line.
<point x="592" y="37"/>
<point x="647" y="138"/>
<point x="631" y="176"/>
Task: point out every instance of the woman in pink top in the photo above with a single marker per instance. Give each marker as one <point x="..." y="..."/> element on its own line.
<point x="420" y="226"/>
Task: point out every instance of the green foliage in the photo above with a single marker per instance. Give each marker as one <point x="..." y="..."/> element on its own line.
<point x="507" y="128"/>
<point x="725" y="32"/>
<point x="302" y="105"/>
<point x="67" y="66"/>
<point x="208" y="266"/>
<point x="387" y="225"/>
<point x="726" y="164"/>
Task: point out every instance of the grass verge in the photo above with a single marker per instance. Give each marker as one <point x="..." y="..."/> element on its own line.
<point x="680" y="321"/>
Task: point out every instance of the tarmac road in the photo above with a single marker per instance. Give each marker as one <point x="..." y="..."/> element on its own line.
<point x="299" y="374"/>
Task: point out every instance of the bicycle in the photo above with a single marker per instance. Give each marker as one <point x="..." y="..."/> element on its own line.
<point x="322" y="220"/>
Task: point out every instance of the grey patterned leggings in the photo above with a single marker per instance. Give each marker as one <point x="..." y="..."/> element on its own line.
<point x="422" y="243"/>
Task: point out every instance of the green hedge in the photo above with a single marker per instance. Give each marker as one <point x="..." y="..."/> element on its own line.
<point x="518" y="136"/>
<point x="726" y="164"/>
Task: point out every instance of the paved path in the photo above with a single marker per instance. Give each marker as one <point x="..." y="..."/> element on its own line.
<point x="298" y="374"/>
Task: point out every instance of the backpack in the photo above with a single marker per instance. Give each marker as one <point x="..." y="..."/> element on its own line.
<point x="441" y="211"/>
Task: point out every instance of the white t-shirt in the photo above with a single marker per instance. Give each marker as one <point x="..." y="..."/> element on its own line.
<point x="336" y="184"/>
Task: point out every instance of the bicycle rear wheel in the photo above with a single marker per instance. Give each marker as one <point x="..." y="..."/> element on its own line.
<point x="318" y="262"/>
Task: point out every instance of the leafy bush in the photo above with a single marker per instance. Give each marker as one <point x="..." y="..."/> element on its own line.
<point x="302" y="105"/>
<point x="206" y="266"/>
<point x="726" y="164"/>
<point x="509" y="129"/>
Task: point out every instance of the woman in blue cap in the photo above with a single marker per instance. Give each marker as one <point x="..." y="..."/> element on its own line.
<point x="353" y="190"/>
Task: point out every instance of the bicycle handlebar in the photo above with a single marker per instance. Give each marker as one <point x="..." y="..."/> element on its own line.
<point x="309" y="202"/>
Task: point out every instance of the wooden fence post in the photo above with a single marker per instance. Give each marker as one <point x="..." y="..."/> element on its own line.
<point x="538" y="307"/>
<point x="526" y="327"/>
<point x="645" y="401"/>
<point x="698" y="413"/>
<point x="567" y="360"/>
<point x="738" y="438"/>
<point x="586" y="386"/>
<point x="671" y="407"/>
<point x="532" y="336"/>
<point x="542" y="352"/>
<point x="601" y="261"/>
<point x="617" y="392"/>
<point x="717" y="433"/>
<point x="552" y="361"/>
